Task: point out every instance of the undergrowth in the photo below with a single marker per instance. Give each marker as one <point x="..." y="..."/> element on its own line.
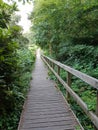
<point x="12" y="104"/>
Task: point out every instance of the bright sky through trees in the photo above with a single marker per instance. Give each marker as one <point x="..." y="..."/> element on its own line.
<point x="24" y="10"/>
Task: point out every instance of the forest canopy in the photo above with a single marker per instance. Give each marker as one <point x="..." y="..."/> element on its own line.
<point x="58" y="23"/>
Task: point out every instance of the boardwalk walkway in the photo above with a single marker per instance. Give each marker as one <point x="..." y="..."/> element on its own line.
<point x="45" y="107"/>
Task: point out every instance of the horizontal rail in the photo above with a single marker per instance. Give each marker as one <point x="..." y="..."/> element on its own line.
<point x="93" y="117"/>
<point x="88" y="79"/>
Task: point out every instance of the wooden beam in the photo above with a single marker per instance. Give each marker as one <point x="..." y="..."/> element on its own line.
<point x="86" y="78"/>
<point x="97" y="104"/>
<point x="58" y="71"/>
<point x="69" y="75"/>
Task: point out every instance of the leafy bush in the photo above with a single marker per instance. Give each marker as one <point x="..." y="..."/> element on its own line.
<point x="13" y="97"/>
<point x="16" y="61"/>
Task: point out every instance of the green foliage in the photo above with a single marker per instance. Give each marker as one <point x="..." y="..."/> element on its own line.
<point x="68" y="30"/>
<point x="13" y="96"/>
<point x="16" y="60"/>
<point x="56" y="22"/>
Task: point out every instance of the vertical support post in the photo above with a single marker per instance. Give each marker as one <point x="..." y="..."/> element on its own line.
<point x="52" y="65"/>
<point x="49" y="63"/>
<point x="96" y="106"/>
<point x="58" y="71"/>
<point x="69" y="75"/>
<point x="46" y="60"/>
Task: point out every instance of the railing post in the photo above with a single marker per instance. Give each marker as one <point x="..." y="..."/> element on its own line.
<point x="58" y="71"/>
<point x="49" y="62"/>
<point x="46" y="59"/>
<point x="52" y="65"/>
<point x="69" y="75"/>
<point x="96" y="107"/>
<point x="97" y="104"/>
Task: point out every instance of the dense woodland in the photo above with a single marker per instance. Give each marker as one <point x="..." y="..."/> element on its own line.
<point x="17" y="56"/>
<point x="67" y="31"/>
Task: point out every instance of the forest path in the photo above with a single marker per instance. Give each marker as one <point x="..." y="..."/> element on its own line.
<point x="45" y="107"/>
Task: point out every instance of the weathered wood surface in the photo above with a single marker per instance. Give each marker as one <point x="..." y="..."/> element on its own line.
<point x="93" y="116"/>
<point x="45" y="107"/>
<point x="86" y="78"/>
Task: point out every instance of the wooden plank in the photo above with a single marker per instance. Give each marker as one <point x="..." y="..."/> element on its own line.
<point x="51" y="128"/>
<point x="43" y="116"/>
<point x="45" y="107"/>
<point x="49" y="120"/>
<point x="52" y="124"/>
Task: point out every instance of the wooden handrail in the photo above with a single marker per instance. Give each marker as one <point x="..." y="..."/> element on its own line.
<point x="88" y="79"/>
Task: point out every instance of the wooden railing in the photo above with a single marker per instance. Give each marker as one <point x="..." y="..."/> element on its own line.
<point x="67" y="85"/>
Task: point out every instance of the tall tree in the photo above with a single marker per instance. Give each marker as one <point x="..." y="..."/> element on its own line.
<point x="56" y="22"/>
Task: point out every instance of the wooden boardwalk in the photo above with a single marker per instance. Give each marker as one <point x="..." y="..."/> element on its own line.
<point x="45" y="107"/>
